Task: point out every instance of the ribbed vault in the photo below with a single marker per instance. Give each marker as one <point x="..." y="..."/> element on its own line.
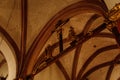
<point x="49" y="41"/>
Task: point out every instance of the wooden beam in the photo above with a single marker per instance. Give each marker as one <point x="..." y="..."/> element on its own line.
<point x="60" y="40"/>
<point x="107" y="35"/>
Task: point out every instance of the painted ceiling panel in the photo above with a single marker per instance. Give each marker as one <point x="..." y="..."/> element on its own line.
<point x="115" y="73"/>
<point x="67" y="62"/>
<point x="79" y="21"/>
<point x="91" y="46"/>
<point x="50" y="73"/>
<point x="97" y="74"/>
<point x="103" y="57"/>
<point x="111" y="3"/>
<point x="40" y="12"/>
<point x="96" y="23"/>
<point x="10" y="18"/>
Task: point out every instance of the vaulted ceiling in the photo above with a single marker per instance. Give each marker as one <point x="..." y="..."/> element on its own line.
<point x="58" y="40"/>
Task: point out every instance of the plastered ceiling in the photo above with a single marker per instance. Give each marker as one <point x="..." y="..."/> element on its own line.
<point x="92" y="58"/>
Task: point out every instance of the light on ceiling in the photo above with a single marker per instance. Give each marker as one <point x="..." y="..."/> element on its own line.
<point x="111" y="3"/>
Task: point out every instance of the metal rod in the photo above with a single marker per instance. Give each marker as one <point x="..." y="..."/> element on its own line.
<point x="60" y="41"/>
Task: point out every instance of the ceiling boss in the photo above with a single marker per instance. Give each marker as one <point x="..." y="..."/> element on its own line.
<point x="114" y="17"/>
<point x="114" y="13"/>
